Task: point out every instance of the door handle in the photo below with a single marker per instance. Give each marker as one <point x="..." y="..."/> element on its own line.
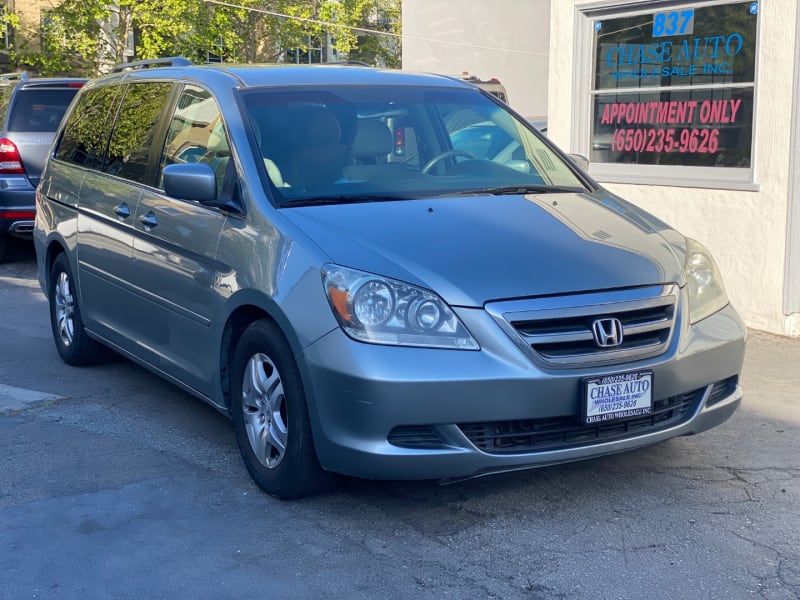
<point x="149" y="220"/>
<point x="122" y="210"/>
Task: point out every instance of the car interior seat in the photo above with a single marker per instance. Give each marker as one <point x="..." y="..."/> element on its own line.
<point x="316" y="154"/>
<point x="372" y="146"/>
<point x="218" y="152"/>
<point x="273" y="170"/>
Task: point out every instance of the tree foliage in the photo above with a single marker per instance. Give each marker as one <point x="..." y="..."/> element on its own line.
<point x="87" y="37"/>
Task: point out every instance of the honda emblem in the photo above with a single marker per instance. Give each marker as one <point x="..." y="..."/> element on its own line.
<point x="607" y="332"/>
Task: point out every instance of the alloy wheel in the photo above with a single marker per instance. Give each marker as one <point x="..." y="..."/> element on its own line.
<point x="264" y="408"/>
<point x="65" y="309"/>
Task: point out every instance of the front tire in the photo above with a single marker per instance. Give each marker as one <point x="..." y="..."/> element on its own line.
<point x="270" y="416"/>
<point x="73" y="344"/>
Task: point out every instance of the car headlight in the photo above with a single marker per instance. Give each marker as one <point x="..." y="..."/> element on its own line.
<point x="379" y="310"/>
<point x="706" y="291"/>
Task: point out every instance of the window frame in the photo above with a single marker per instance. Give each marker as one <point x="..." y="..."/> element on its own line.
<point x="730" y="178"/>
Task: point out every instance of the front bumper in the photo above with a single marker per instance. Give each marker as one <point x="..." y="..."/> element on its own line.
<point x="411" y="413"/>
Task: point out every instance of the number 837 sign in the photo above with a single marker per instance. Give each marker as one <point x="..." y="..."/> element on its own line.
<point x="673" y="22"/>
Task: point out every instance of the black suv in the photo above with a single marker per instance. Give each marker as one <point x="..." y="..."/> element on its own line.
<point x="30" y="112"/>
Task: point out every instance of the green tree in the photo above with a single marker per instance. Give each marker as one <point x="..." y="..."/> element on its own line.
<point x="88" y="37"/>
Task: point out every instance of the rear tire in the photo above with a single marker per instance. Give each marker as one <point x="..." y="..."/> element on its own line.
<point x="3" y="244"/>
<point x="270" y="416"/>
<point x="73" y="344"/>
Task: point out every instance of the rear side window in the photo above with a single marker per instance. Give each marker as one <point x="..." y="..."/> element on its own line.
<point x="139" y="115"/>
<point x="39" y="110"/>
<point x="86" y="132"/>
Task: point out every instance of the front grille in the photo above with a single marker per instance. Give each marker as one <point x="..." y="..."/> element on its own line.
<point x="538" y="435"/>
<point x="558" y="331"/>
<point x="415" y="436"/>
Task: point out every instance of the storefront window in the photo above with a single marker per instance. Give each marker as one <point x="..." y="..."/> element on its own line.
<point x="675" y="86"/>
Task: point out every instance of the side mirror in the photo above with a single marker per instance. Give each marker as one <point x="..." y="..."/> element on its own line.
<point x="581" y="161"/>
<point x="191" y="181"/>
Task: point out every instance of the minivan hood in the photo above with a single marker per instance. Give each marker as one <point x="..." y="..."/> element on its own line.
<point x="474" y="249"/>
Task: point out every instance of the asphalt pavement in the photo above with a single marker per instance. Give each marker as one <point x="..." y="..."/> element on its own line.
<point x="115" y="484"/>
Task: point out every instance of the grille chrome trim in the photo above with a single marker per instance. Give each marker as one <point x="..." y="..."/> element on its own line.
<point x="556" y="331"/>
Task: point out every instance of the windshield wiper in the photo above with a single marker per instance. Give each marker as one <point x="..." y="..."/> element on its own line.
<point x="510" y="190"/>
<point x="323" y="200"/>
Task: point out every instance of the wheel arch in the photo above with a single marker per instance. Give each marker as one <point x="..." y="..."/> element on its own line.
<point x="246" y="308"/>
<point x="55" y="248"/>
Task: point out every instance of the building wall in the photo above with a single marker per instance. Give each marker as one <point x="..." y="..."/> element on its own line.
<point x="506" y="39"/>
<point x="30" y="14"/>
<point x="745" y="230"/>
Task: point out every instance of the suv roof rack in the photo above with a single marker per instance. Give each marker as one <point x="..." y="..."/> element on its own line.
<point x="172" y="61"/>
<point x="15" y="76"/>
<point x="56" y="82"/>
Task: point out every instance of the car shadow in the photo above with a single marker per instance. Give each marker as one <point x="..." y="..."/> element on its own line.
<point x="19" y="251"/>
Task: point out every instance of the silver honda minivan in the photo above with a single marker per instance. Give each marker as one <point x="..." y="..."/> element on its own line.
<point x="374" y="273"/>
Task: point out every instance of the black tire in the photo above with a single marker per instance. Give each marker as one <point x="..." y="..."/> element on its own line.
<point x="270" y="416"/>
<point x="3" y="244"/>
<point x="73" y="344"/>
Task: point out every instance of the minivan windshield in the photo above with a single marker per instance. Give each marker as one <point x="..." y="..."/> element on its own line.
<point x="358" y="143"/>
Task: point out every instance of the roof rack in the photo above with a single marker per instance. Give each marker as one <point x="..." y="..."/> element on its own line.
<point x="15" y="76"/>
<point x="352" y="63"/>
<point x="172" y="61"/>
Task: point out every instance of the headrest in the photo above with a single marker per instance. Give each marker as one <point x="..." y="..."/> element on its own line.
<point x="217" y="142"/>
<point x="373" y="139"/>
<point x="316" y="126"/>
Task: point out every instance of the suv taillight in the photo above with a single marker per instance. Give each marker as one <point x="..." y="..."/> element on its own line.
<point x="10" y="162"/>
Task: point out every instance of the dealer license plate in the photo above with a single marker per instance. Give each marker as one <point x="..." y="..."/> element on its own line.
<point x="618" y="396"/>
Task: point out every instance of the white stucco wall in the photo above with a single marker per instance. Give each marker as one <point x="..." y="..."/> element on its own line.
<point x="507" y="39"/>
<point x="745" y="230"/>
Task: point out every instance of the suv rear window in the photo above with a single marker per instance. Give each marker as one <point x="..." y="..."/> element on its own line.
<point x="39" y="110"/>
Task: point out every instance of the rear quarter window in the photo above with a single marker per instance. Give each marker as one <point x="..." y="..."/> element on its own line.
<point x="86" y="132"/>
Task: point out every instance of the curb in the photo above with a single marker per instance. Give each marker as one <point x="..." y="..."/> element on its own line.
<point x="13" y="400"/>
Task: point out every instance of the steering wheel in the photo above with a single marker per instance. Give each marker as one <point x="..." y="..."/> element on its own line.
<point x="446" y="154"/>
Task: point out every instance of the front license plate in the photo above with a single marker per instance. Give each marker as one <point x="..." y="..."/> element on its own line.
<point x="618" y="396"/>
